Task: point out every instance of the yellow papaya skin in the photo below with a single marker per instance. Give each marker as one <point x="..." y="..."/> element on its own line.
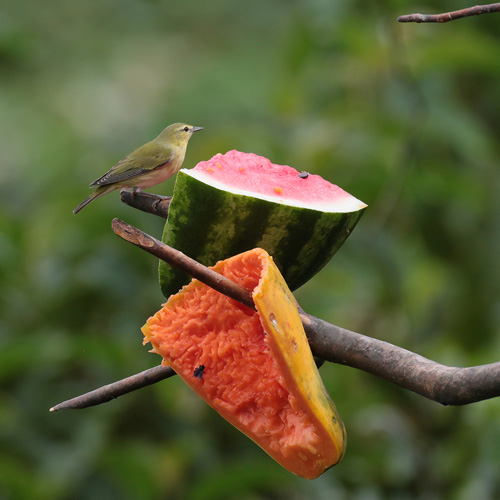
<point x="280" y="318"/>
<point x="254" y="368"/>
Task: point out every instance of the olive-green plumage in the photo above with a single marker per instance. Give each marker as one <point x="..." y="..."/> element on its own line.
<point x="148" y="165"/>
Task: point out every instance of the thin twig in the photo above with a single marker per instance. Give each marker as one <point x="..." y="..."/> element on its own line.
<point x="440" y="383"/>
<point x="450" y="16"/>
<point x="116" y="389"/>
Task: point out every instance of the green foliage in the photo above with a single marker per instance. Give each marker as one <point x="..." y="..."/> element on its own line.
<point x="405" y="117"/>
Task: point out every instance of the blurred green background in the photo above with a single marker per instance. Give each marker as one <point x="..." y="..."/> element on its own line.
<point x="404" y="117"/>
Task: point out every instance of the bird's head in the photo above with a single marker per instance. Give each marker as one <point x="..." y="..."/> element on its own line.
<point x="178" y="133"/>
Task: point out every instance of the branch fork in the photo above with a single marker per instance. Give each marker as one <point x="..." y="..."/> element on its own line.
<point x="443" y="384"/>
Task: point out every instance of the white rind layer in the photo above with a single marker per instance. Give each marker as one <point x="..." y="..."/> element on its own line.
<point x="337" y="204"/>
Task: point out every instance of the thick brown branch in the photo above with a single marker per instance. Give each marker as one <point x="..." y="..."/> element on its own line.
<point x="450" y="16"/>
<point x="444" y="384"/>
<point x="147" y="202"/>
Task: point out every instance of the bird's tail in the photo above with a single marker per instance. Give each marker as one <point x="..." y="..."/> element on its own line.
<point x="96" y="194"/>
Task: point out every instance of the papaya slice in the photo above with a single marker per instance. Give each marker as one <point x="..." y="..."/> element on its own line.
<point x="254" y="368"/>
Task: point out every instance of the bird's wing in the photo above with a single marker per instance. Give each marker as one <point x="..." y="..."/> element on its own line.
<point x="145" y="159"/>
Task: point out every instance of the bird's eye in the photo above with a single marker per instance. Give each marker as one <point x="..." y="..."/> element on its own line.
<point x="186" y="129"/>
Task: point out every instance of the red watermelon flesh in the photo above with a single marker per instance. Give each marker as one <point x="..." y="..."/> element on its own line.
<point x="252" y="175"/>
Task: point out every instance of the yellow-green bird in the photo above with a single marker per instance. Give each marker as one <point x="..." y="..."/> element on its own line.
<point x="148" y="165"/>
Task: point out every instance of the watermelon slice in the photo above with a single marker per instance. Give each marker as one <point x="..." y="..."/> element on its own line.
<point x="254" y="368"/>
<point x="238" y="201"/>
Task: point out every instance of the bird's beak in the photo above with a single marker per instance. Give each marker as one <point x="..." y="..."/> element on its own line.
<point x="195" y="129"/>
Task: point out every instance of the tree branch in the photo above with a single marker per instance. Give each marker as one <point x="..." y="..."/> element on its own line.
<point x="450" y="16"/>
<point x="116" y="389"/>
<point x="147" y="202"/>
<point x="182" y="262"/>
<point x="440" y="383"/>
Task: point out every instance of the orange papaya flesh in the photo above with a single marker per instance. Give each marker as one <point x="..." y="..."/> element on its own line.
<point x="254" y="368"/>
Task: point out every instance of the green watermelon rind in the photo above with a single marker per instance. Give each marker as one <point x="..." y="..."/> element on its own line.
<point x="210" y="224"/>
